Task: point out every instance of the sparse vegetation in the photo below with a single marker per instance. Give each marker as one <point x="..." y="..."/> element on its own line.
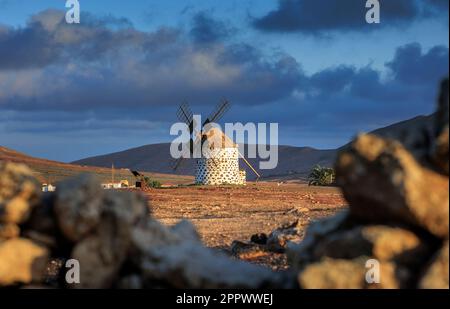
<point x="321" y="176"/>
<point x="152" y="183"/>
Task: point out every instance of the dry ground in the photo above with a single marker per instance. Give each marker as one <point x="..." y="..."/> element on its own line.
<point x="224" y="214"/>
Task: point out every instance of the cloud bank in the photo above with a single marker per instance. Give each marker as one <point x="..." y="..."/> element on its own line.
<point x="104" y="78"/>
<point x="317" y="17"/>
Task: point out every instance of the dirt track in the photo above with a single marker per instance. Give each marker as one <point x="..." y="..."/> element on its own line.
<point x="224" y="214"/>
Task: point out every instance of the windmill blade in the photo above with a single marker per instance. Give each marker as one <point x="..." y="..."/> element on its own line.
<point x="177" y="163"/>
<point x="249" y="165"/>
<point x="218" y="112"/>
<point x="136" y="174"/>
<point x="185" y="115"/>
<point x="189" y="144"/>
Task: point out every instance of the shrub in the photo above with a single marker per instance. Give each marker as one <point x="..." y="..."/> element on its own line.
<point x="152" y="183"/>
<point x="321" y="176"/>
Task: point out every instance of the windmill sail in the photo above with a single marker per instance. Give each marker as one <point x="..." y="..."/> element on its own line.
<point x="218" y="112"/>
<point x="220" y="164"/>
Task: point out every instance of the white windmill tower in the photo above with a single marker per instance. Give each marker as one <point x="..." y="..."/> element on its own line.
<point x="221" y="164"/>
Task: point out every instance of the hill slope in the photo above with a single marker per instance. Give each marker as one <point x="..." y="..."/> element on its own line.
<point x="48" y="171"/>
<point x="293" y="162"/>
<point x="156" y="158"/>
<point x="404" y="129"/>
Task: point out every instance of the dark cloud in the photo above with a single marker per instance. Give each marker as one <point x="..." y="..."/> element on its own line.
<point x="332" y="80"/>
<point x="323" y="16"/>
<point x="411" y="65"/>
<point x="412" y="77"/>
<point x="206" y="29"/>
<point x="91" y="65"/>
<point x="48" y="39"/>
<point x="104" y="79"/>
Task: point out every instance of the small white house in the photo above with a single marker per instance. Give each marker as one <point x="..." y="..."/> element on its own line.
<point x="48" y="187"/>
<point x="111" y="185"/>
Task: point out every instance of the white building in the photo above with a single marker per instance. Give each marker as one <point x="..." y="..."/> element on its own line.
<point x="48" y="187"/>
<point x="111" y="185"/>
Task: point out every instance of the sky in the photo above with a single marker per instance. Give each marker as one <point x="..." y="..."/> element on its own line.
<point x="114" y="81"/>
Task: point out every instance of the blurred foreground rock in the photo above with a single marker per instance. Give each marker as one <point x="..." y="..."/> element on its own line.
<point x="19" y="193"/>
<point x="113" y="237"/>
<point x="436" y="274"/>
<point x="383" y="182"/>
<point x="398" y="220"/>
<point x="22" y="261"/>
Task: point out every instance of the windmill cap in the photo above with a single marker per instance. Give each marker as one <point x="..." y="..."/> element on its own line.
<point x="217" y="139"/>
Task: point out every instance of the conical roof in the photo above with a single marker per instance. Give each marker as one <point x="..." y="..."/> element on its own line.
<point x="217" y="139"/>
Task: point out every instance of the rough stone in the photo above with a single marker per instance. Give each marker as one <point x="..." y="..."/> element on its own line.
<point x="39" y="238"/>
<point x="245" y="250"/>
<point x="78" y="206"/>
<point x="19" y="192"/>
<point x="332" y="274"/>
<point x="182" y="262"/>
<point x="22" y="261"/>
<point x="348" y="274"/>
<point x="42" y="218"/>
<point x="102" y="253"/>
<point x="439" y="151"/>
<point x="95" y="272"/>
<point x="436" y="274"/>
<point x="383" y="243"/>
<point x="8" y="230"/>
<point x="442" y="114"/>
<point x="260" y="239"/>
<point x="299" y="254"/>
<point x="280" y="237"/>
<point x="383" y="182"/>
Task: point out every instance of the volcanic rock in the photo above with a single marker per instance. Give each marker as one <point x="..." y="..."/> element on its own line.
<point x="280" y="237"/>
<point x="260" y="239"/>
<point x="439" y="152"/>
<point x="182" y="262"/>
<point x="384" y="183"/>
<point x="8" y="230"/>
<point x="348" y="274"/>
<point x="102" y="253"/>
<point x="19" y="192"/>
<point x="384" y="243"/>
<point x="78" y="206"/>
<point x="245" y="250"/>
<point x="436" y="275"/>
<point x="22" y="261"/>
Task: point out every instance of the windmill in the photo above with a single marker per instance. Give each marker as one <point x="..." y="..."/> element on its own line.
<point x="221" y="166"/>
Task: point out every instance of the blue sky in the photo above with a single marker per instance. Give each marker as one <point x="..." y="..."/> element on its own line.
<point x="114" y="81"/>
